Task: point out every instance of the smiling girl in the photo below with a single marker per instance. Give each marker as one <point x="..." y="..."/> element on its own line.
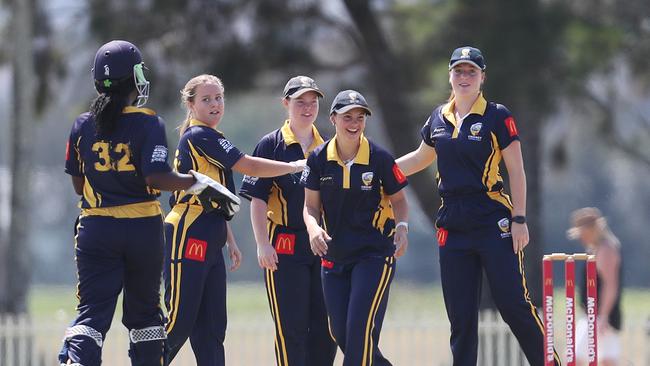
<point x="194" y="272"/>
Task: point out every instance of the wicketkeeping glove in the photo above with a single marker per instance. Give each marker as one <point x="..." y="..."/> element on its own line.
<point x="214" y="195"/>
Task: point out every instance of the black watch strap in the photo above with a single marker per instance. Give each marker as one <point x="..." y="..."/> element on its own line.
<point x="519" y="219"/>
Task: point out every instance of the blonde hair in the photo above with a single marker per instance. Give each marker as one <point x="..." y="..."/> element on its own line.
<point x="189" y="92"/>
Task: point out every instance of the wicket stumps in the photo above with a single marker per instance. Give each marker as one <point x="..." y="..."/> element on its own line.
<point x="592" y="310"/>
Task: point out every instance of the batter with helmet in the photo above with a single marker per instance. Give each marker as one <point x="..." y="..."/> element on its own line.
<point x="117" y="158"/>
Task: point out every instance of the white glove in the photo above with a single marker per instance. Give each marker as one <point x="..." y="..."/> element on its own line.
<point x="210" y="191"/>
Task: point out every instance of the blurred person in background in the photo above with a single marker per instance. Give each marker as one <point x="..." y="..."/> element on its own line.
<point x="591" y="229"/>
<point x="194" y="271"/>
<point x="291" y="270"/>
<point x="117" y="157"/>
<point x="478" y="226"/>
<point x="356" y="215"/>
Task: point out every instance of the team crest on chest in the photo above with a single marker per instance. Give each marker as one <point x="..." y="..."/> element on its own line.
<point x="504" y="226"/>
<point x="474" y="130"/>
<point x="366" y="178"/>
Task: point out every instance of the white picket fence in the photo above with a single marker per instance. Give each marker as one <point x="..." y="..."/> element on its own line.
<point x="423" y="342"/>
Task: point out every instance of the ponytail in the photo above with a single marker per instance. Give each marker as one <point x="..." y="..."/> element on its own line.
<point x="107" y="107"/>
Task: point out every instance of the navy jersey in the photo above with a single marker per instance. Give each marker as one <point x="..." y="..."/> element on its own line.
<point x="469" y="154"/>
<point x="284" y="195"/>
<point x="357" y="212"/>
<point x="114" y="166"/>
<point x="204" y="150"/>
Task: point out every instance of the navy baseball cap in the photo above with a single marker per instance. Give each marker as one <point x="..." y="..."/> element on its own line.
<point x="349" y="99"/>
<point x="299" y="85"/>
<point x="467" y="55"/>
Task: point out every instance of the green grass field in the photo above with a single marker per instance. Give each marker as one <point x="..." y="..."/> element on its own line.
<point x="415" y="332"/>
<point x="246" y="300"/>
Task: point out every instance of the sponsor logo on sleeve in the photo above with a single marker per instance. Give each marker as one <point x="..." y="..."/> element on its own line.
<point x="226" y="145"/>
<point x="195" y="249"/>
<point x="159" y="154"/>
<point x="442" y="237"/>
<point x="285" y="243"/>
<point x="250" y="180"/>
<point x="398" y="174"/>
<point x="67" y="151"/>
<point x="511" y="126"/>
<point x="304" y="175"/>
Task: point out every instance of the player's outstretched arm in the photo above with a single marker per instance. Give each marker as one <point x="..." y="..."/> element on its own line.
<point x="260" y="167"/>
<point x="417" y="160"/>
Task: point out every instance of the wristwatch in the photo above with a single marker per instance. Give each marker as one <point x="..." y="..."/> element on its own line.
<point x="519" y="219"/>
<point x="403" y="223"/>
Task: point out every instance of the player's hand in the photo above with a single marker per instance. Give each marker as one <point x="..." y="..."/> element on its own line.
<point x="401" y="241"/>
<point x="299" y="165"/>
<point x="520" y="236"/>
<point x="212" y="194"/>
<point x="267" y="257"/>
<point x="318" y="241"/>
<point x="235" y="256"/>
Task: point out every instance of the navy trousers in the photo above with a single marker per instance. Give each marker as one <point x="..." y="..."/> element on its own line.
<point x="463" y="256"/>
<point x="356" y="295"/>
<point x="295" y="293"/>
<point x="114" y="255"/>
<point x="195" y="283"/>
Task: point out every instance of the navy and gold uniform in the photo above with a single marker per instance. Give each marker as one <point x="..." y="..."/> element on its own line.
<point x="474" y="227"/>
<point x="194" y="271"/>
<point x="359" y="265"/>
<point x="119" y="238"/>
<point x="294" y="290"/>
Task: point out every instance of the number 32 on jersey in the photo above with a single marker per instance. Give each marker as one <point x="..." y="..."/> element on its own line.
<point x="106" y="163"/>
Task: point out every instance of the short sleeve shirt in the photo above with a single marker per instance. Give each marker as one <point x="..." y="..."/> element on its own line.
<point x="357" y="212"/>
<point x="469" y="152"/>
<point x="284" y="195"/>
<point x="207" y="151"/>
<point x="115" y="165"/>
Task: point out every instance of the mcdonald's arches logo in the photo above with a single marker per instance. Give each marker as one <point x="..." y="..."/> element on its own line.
<point x="591" y="283"/>
<point x="195" y="249"/>
<point x="548" y="282"/>
<point x="442" y="237"/>
<point x="285" y="243"/>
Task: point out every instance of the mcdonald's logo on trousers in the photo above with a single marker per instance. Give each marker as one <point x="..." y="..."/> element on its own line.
<point x="195" y="249"/>
<point x="285" y="243"/>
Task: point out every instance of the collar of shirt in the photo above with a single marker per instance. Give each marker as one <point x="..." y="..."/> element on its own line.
<point x="290" y="138"/>
<point x="479" y="107"/>
<point x="363" y="155"/>
<point x="196" y="122"/>
<point x="132" y="109"/>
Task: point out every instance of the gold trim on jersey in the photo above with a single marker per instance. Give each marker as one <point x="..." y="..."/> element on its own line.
<point x="183" y="216"/>
<point x="383" y="214"/>
<point x="196" y="122"/>
<point x="76" y="243"/>
<point x="363" y="157"/>
<point x="290" y="138"/>
<point x="130" y="211"/>
<point x="91" y="196"/>
<point x="277" y="206"/>
<point x="479" y="107"/>
<point x="374" y="307"/>
<point x="132" y="109"/>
